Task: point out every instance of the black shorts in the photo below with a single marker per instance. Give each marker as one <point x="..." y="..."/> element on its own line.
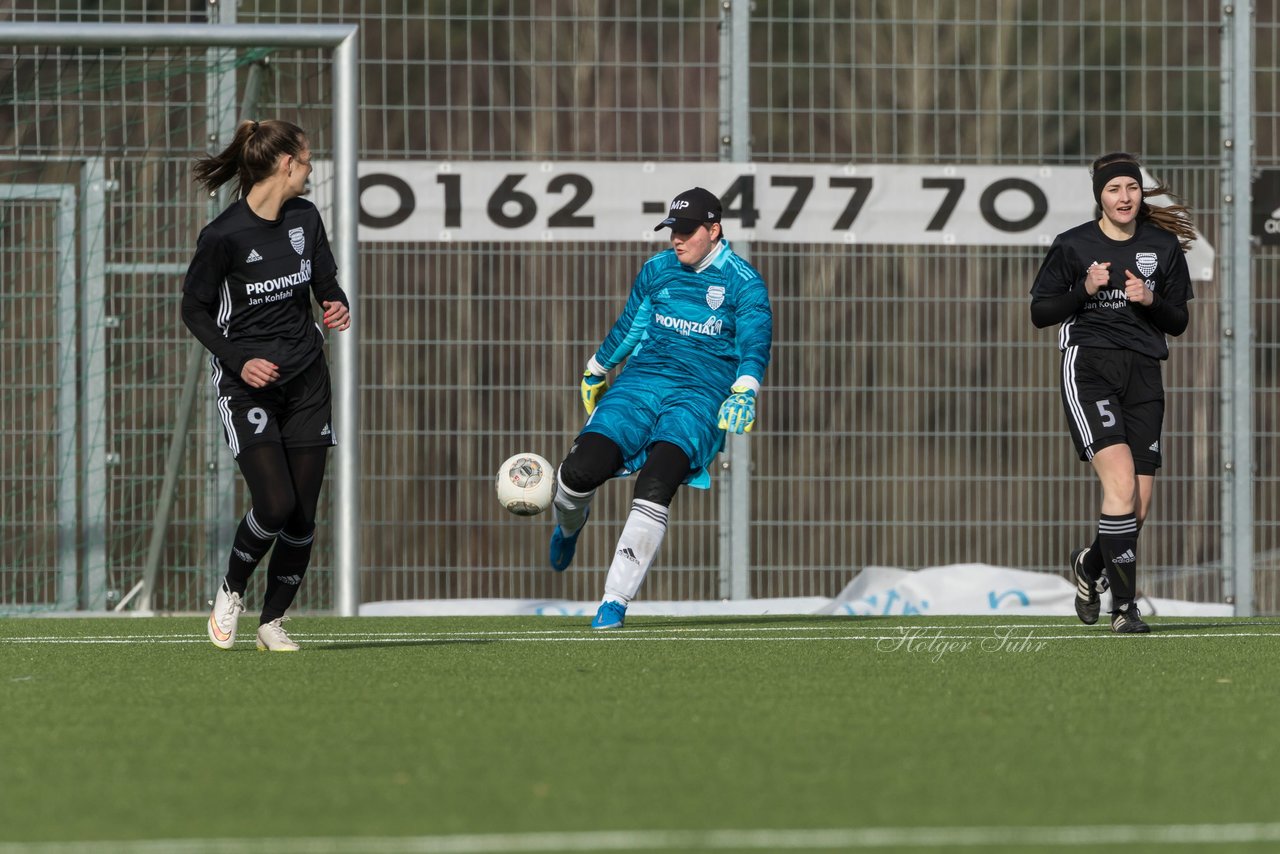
<point x="295" y="414"/>
<point x="1114" y="397"/>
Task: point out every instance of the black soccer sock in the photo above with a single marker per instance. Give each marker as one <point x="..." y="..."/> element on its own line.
<point x="285" y="486"/>
<point x="288" y="565"/>
<point x="1093" y="562"/>
<point x="1118" y="542"/>
<point x="251" y="543"/>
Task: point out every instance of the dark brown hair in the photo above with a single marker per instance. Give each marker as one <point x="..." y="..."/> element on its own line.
<point x="1174" y="218"/>
<point x="251" y="156"/>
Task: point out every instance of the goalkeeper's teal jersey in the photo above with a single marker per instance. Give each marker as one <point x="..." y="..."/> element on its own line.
<point x="686" y="336"/>
<point x="685" y="327"/>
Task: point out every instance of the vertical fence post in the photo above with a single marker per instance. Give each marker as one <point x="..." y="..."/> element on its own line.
<point x="735" y="147"/>
<point x="68" y="399"/>
<point x="1236" y="276"/>
<point x="93" y="378"/>
<point x="220" y="99"/>
<point x="346" y="411"/>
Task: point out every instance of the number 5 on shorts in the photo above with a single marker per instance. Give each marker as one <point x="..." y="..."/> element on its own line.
<point x="1108" y="417"/>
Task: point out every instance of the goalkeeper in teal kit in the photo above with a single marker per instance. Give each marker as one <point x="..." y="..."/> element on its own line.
<point x="695" y="335"/>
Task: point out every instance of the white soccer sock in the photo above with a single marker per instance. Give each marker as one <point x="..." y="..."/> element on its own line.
<point x="570" y="507"/>
<point x="641" y="537"/>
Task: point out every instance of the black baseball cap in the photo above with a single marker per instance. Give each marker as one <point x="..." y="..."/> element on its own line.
<point x="691" y="209"/>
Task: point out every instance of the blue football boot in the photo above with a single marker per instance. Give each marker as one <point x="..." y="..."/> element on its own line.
<point x="563" y="546"/>
<point x="610" y="616"/>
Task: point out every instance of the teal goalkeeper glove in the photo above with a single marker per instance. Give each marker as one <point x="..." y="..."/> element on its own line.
<point x="738" y="412"/>
<point x="593" y="388"/>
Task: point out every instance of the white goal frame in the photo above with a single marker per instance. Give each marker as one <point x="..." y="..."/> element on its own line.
<point x="341" y="40"/>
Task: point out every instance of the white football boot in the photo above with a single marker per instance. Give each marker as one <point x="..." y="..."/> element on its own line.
<point x="272" y="637"/>
<point x="224" y="616"/>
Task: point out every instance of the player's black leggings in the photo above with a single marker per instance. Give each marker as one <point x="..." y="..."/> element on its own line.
<point x="595" y="458"/>
<point x="284" y="485"/>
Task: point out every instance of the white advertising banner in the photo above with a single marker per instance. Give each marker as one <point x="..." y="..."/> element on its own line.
<point x="417" y="201"/>
<point x="414" y="201"/>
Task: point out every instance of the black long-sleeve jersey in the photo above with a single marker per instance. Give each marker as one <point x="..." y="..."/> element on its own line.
<point x="246" y="292"/>
<point x="1107" y="319"/>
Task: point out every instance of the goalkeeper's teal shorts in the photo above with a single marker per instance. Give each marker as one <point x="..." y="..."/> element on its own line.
<point x="636" y="414"/>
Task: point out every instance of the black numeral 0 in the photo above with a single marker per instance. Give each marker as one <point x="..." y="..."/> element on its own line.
<point x="398" y="186"/>
<point x="1039" y="204"/>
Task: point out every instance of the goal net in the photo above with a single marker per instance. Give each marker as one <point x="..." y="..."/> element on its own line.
<point x="112" y="468"/>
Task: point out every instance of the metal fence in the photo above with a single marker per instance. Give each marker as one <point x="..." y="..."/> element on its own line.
<point x="910" y="417"/>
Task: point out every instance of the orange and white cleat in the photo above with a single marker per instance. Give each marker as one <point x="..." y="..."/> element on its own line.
<point x="222" y="620"/>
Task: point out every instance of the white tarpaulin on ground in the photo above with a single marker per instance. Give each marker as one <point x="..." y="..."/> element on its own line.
<point x="971" y="588"/>
<point x="978" y="588"/>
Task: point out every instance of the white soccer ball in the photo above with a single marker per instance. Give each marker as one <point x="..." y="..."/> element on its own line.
<point x="526" y="484"/>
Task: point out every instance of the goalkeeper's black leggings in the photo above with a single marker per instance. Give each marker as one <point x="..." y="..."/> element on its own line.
<point x="594" y="459"/>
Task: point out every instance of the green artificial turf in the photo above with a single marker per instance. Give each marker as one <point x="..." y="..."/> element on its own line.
<point x="381" y="728"/>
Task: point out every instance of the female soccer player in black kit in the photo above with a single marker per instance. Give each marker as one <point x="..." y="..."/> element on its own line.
<point x="1117" y="285"/>
<point x="247" y="299"/>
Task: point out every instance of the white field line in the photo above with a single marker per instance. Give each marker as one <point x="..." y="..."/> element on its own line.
<point x="852" y="624"/>
<point x="918" y="634"/>
<point x="639" y="633"/>
<point x="1203" y="836"/>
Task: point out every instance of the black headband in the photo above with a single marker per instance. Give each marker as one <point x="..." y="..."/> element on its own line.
<point x="1106" y="174"/>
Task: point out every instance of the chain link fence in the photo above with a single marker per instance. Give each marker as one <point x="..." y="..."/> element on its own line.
<point x="910" y="417"/>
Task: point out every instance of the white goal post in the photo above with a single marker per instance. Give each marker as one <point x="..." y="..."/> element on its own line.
<point x="341" y="40"/>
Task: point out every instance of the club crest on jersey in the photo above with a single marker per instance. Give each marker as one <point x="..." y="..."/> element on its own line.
<point x="715" y="296"/>
<point x="1146" y="263"/>
<point x="298" y="240"/>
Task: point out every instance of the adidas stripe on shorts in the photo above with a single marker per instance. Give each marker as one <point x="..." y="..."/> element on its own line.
<point x="1114" y="397"/>
<point x="295" y="413"/>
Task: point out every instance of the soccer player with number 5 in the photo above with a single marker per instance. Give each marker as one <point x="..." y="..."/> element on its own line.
<point x="695" y="334"/>
<point x="247" y="298"/>
<point x="1117" y="286"/>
